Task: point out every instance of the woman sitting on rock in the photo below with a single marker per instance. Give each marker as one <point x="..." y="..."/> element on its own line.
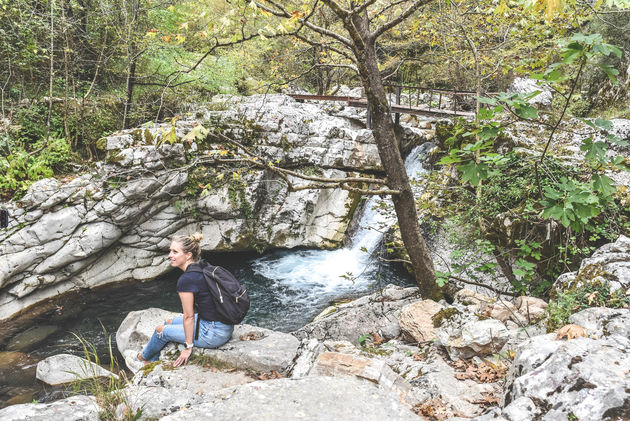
<point x="193" y="292"/>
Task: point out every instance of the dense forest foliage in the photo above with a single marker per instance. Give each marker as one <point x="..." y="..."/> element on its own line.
<point x="73" y="71"/>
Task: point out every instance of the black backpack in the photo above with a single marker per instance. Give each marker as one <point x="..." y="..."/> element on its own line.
<point x="229" y="296"/>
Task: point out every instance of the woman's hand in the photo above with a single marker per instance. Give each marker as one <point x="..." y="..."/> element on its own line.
<point x="183" y="357"/>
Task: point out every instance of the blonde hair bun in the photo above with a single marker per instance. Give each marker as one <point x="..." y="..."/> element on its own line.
<point x="197" y="237"/>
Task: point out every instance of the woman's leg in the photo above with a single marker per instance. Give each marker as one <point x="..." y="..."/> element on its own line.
<point x="173" y="332"/>
<point x="213" y="334"/>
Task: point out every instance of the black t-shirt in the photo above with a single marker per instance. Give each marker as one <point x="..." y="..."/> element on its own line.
<point x="195" y="283"/>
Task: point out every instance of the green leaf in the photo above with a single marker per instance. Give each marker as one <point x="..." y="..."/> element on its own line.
<point x="604" y="124"/>
<point x="486" y="100"/>
<point x="527" y="112"/>
<point x="610" y="71"/>
<point x="604" y="184"/>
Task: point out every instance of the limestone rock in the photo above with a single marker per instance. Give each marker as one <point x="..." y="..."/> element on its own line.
<point x="416" y="320"/>
<point x="609" y="264"/>
<point x="438" y="381"/>
<point x="468" y="297"/>
<point x="372" y="313"/>
<point x="503" y="311"/>
<point x="602" y="322"/>
<point x="161" y="391"/>
<point x="75" y="408"/>
<point x="531" y="308"/>
<point x="526" y="86"/>
<point x="136" y="329"/>
<point x="336" y="364"/>
<point x="312" y="398"/>
<point x="273" y="351"/>
<point x="589" y="378"/>
<point x="66" y="368"/>
<point x="472" y="338"/>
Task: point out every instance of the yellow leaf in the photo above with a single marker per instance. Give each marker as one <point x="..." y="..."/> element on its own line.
<point x="184" y="25"/>
<point x="591" y="297"/>
<point x="223" y="153"/>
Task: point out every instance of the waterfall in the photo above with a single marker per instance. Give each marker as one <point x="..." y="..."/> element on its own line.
<point x="298" y="276"/>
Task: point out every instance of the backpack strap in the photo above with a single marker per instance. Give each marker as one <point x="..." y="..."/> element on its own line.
<point x="195" y="267"/>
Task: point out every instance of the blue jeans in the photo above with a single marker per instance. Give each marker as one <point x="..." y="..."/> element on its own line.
<point x="211" y="335"/>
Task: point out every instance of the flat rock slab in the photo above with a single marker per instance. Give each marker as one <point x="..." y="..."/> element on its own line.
<point x="251" y="347"/>
<point x="309" y="398"/>
<point x="66" y="368"/>
<point x="190" y="377"/>
<point x="256" y="349"/>
<point x="76" y="408"/>
<point x="164" y="390"/>
<point x="30" y="337"/>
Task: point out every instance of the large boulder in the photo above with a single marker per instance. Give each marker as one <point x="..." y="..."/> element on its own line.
<point x="312" y="398"/>
<point x="465" y="337"/>
<point x="584" y="378"/>
<point x="251" y="347"/>
<point x="375" y="313"/>
<point x="66" y="368"/>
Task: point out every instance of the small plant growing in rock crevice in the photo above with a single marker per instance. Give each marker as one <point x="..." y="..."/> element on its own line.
<point x="592" y="295"/>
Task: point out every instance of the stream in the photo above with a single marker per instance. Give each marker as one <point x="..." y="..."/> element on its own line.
<point x="287" y="289"/>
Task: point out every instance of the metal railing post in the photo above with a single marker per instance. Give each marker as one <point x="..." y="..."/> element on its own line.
<point x="397" y="115"/>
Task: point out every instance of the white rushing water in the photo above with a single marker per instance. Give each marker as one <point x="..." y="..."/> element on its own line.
<point x="304" y="273"/>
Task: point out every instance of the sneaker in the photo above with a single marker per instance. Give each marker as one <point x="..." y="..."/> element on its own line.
<point x="132" y="361"/>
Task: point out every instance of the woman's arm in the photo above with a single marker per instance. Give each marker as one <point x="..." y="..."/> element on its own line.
<point x="188" y="301"/>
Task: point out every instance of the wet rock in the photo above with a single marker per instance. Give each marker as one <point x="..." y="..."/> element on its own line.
<point x="66" y="368"/>
<point x="17" y="369"/>
<point x="416" y="320"/>
<point x="76" y="408"/>
<point x="30" y="337"/>
<point x="373" y="313"/>
<point x="312" y="398"/>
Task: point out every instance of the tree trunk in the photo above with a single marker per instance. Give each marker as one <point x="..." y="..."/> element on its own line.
<point x="393" y="164"/>
<point x="131" y="78"/>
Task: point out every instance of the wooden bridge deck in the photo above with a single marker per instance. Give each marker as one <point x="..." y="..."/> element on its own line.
<point x="360" y="102"/>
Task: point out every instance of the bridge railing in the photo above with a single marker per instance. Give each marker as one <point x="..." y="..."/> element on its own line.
<point x="431" y="98"/>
